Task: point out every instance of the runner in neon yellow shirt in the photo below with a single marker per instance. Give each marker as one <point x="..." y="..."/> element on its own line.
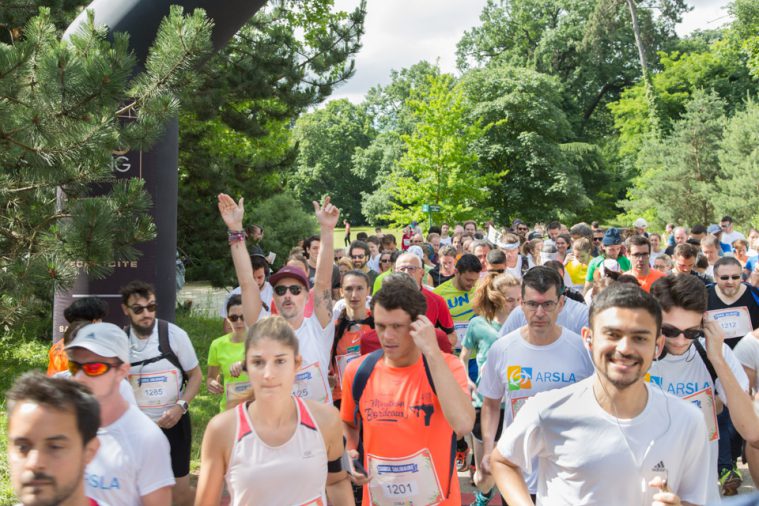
<point x="225" y="357"/>
<point x="458" y="293"/>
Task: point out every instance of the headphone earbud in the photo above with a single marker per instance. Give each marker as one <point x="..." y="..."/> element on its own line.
<point x="588" y="341"/>
<point x="656" y="351"/>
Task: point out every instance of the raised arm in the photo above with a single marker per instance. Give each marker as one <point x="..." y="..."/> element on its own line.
<point x="232" y="213"/>
<point x="327" y="216"/>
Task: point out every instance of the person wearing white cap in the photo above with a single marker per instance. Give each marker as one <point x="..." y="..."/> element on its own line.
<point x="640" y="226"/>
<point x="133" y="465"/>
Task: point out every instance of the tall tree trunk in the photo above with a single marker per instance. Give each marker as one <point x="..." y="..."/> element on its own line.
<point x="653" y="114"/>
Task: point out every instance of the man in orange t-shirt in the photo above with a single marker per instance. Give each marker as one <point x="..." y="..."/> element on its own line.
<point x="640" y="251"/>
<point x="413" y="406"/>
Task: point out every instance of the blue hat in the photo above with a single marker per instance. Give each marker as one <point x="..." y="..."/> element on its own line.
<point x="612" y="237"/>
<point x="713" y="229"/>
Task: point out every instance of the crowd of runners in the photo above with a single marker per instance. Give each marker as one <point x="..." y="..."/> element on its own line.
<point x="556" y="365"/>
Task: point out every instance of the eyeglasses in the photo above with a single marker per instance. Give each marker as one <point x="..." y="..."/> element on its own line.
<point x="92" y="369"/>
<point x="357" y="257"/>
<point x="727" y="225"/>
<point x="417" y="242"/>
<point x="639" y="255"/>
<point x="282" y="289"/>
<point x="137" y="309"/>
<point x="385" y="260"/>
<point x="725" y="278"/>
<point x="672" y="331"/>
<point x="548" y="305"/>
<point x="234" y="317"/>
<point x="407" y="268"/>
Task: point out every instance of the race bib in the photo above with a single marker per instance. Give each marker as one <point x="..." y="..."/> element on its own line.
<point x="317" y="501"/>
<point x="236" y="391"/>
<point x="704" y="400"/>
<point x="343" y="361"/>
<point x="734" y="321"/>
<point x="155" y="389"/>
<point x="516" y="405"/>
<point x="404" y="481"/>
<point x="310" y="383"/>
<point x="460" y="330"/>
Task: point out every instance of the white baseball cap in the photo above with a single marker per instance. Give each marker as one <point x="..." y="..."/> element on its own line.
<point x="640" y="223"/>
<point x="104" y="339"/>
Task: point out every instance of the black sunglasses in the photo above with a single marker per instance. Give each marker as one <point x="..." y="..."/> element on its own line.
<point x="671" y="331"/>
<point x="137" y="309"/>
<point x="725" y="278"/>
<point x="234" y="317"/>
<point x="282" y="289"/>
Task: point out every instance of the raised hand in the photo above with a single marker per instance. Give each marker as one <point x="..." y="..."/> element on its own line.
<point x="327" y="215"/>
<point x="231" y="212"/>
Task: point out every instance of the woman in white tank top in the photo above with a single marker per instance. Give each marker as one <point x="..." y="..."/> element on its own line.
<point x="278" y="449"/>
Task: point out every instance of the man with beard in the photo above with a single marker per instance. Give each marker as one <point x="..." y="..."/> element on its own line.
<point x="165" y="376"/>
<point x="612" y="435"/>
<point x="52" y="436"/>
<point x="732" y="303"/>
<point x="360" y="254"/>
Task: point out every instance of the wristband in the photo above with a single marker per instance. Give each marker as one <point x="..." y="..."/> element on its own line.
<point x="234" y="236"/>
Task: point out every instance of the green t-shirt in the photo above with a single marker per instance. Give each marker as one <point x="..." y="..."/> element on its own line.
<point x="480" y="336"/>
<point x="222" y="354"/>
<point x="624" y="264"/>
<point x="460" y="306"/>
<point x="378" y="281"/>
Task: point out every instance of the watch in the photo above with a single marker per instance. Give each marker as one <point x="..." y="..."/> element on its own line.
<point x="184" y="405"/>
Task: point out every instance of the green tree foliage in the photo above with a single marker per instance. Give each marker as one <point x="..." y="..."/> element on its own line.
<point x="439" y="165"/>
<point x="327" y="139"/>
<point x="588" y="44"/>
<point x="235" y="132"/>
<point x="679" y="173"/>
<point x="529" y="130"/>
<point x="285" y="223"/>
<point x="739" y="158"/>
<point x="58" y="128"/>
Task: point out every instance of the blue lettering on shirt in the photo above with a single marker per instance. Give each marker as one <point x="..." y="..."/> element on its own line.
<point x="687" y="388"/>
<point x="101" y="482"/>
<point x="555" y="377"/>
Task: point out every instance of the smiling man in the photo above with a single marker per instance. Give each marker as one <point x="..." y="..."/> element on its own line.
<point x="52" y="428"/>
<point x="611" y="437"/>
<point x="640" y="252"/>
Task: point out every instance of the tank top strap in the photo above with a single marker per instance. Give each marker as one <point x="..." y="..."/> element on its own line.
<point x="304" y="415"/>
<point x="243" y="426"/>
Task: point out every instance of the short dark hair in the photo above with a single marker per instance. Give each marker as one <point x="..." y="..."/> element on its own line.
<point x="542" y="278"/>
<point x="640" y="240"/>
<point x="358" y="274"/>
<point x="701" y="261"/>
<point x="136" y="287"/>
<point x="555" y="265"/>
<point x="496" y="256"/>
<point x="360" y="245"/>
<point x="553" y="225"/>
<point x="258" y="261"/>
<point x="61" y="394"/>
<point x="725" y="261"/>
<point x="388" y="239"/>
<point x="400" y="291"/>
<point x="86" y="308"/>
<point x="698" y="229"/>
<point x="307" y="243"/>
<point x="626" y="296"/>
<point x="468" y="263"/>
<point x="234" y="300"/>
<point x="685" y="250"/>
<point x="373" y="240"/>
<point x="362" y="236"/>
<point x="686" y="292"/>
<point x="726" y="217"/>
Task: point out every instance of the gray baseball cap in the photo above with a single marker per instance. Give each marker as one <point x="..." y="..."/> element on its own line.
<point x="104" y="339"/>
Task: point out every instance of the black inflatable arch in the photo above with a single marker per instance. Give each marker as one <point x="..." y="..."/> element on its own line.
<point x="158" y="167"/>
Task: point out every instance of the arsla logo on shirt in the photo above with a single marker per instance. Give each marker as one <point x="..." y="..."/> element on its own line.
<point x="656" y="380"/>
<point x="519" y="377"/>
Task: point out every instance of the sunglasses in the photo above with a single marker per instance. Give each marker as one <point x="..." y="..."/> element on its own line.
<point x="725" y="278"/>
<point x="92" y="369"/>
<point x="385" y="261"/>
<point x="597" y="239"/>
<point x="522" y="229"/>
<point x="137" y="309"/>
<point x="670" y="331"/>
<point x="234" y="317"/>
<point x="357" y="257"/>
<point x="282" y="289"/>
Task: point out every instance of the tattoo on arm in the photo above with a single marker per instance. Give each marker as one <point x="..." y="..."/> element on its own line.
<point x="326" y="297"/>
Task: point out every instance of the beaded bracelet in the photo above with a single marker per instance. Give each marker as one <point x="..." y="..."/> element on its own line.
<point x="234" y="236"/>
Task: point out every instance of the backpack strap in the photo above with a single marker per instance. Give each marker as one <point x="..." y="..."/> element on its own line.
<point x="525" y="264"/>
<point x="164" y="350"/>
<point x="360" y="380"/>
<point x="709" y="367"/>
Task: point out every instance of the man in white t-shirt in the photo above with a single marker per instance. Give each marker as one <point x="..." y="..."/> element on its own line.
<point x="165" y="379"/>
<point x="611" y="438"/>
<point x="133" y="465"/>
<point x="535" y="358"/>
<point x="573" y="315"/>
<point x="728" y="234"/>
<point x="315" y="333"/>
<point x="693" y="346"/>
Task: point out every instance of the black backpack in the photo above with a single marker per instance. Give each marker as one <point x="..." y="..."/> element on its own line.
<point x="359" y="384"/>
<point x="164" y="349"/>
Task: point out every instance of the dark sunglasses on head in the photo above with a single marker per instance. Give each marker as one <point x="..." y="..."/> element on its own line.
<point x="234" y="317"/>
<point x="137" y="309"/>
<point x="282" y="289"/>
<point x="91" y="369"/>
<point x="725" y="278"/>
<point x="671" y="331"/>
